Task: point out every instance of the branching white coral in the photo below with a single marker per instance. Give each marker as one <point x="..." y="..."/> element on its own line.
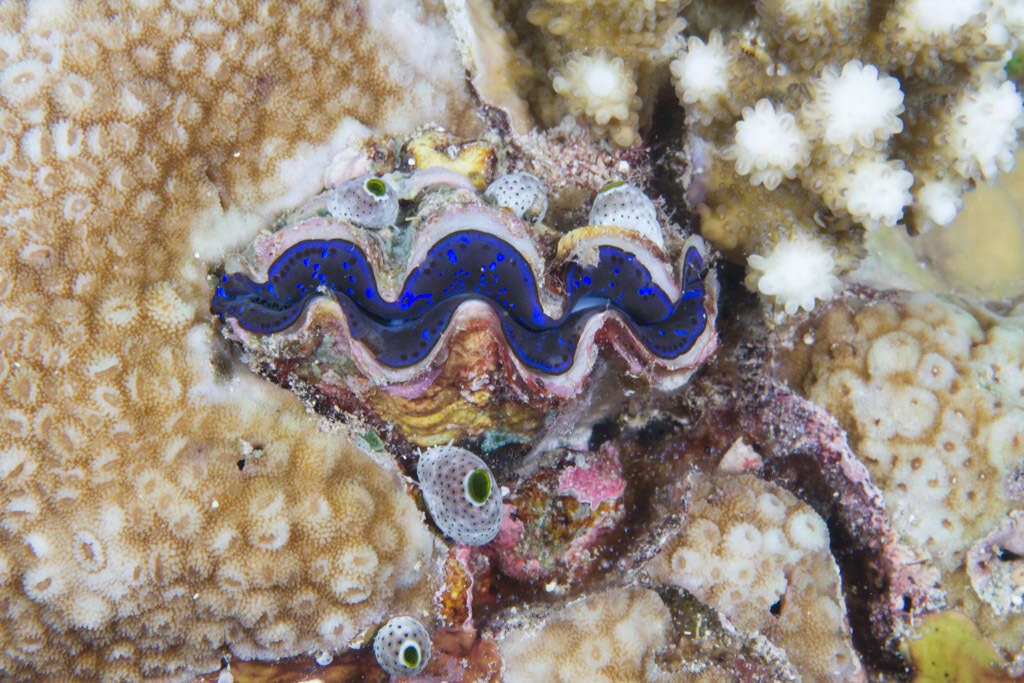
<point x="855" y="107"/>
<point x="982" y="130"/>
<point x="940" y="201"/>
<point x="701" y="76"/>
<point x="932" y="20"/>
<point x="804" y="34"/>
<point x="768" y="145"/>
<point x="1013" y="16"/>
<point x="924" y="33"/>
<point x="601" y="87"/>
<point x="872" y="190"/>
<point x="796" y="272"/>
<point x="807" y="11"/>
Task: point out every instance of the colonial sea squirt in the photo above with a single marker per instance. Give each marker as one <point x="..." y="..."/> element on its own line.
<point x="448" y="308"/>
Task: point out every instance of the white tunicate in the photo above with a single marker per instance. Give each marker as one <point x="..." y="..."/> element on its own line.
<point x="368" y="201"/>
<point x="624" y="206"/>
<point x="402" y="647"/>
<point x="461" y="494"/>
<point x="521" y="193"/>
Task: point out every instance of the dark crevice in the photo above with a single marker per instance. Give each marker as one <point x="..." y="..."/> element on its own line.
<point x="1006" y="555"/>
<point x="857" y="559"/>
<point x="664" y="141"/>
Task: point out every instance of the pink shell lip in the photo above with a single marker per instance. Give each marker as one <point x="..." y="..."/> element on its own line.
<point x="421" y="179"/>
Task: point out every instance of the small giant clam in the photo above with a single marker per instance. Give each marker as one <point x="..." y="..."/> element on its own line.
<point x="408" y="293"/>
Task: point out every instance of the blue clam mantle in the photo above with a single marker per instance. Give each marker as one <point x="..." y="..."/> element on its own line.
<point x="469" y="265"/>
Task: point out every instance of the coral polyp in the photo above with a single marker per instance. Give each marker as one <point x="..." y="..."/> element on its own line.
<point x="795" y="273"/>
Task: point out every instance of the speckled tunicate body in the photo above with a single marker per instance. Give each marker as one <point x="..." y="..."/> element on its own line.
<point x="402" y="646"/>
<point x="367" y="201"/>
<point x="627" y="207"/>
<point x="522" y="193"/>
<point x="461" y="494"/>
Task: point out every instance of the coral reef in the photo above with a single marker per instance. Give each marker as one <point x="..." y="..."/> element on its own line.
<point x="825" y="482"/>
<point x="598" y="61"/>
<point x="806" y="124"/>
<point x="560" y="516"/>
<point x="160" y="508"/>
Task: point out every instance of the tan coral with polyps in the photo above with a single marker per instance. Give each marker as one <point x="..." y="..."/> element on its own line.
<point x="159" y="508"/>
<point x="931" y="396"/>
<point x="609" y="636"/>
<point x="760" y="557"/>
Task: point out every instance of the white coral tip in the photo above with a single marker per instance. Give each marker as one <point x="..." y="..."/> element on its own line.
<point x="933" y="18"/>
<point x="601" y="86"/>
<point x="856" y="106"/>
<point x="984" y="124"/>
<point x="875" y="191"/>
<point x="701" y="72"/>
<point x="768" y="145"/>
<point x="940" y="201"/>
<point x="796" y="273"/>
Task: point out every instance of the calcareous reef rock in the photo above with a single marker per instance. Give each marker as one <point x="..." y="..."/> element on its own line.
<point x="159" y="508"/>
